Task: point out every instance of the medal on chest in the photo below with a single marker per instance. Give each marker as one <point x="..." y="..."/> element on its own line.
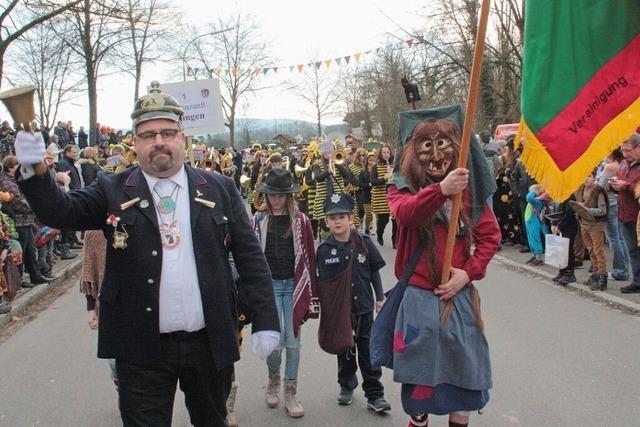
<point x="170" y="235"/>
<point x="166" y="205"/>
<point x="119" y="236"/>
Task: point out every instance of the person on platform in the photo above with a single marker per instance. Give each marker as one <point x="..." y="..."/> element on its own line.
<point x="443" y="365"/>
<point x="286" y="238"/>
<point x="167" y="301"/>
<point x="347" y="249"/>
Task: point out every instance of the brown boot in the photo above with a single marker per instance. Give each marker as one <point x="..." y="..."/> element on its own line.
<point x="291" y="403"/>
<point x="271" y="396"/>
<point x="231" y="403"/>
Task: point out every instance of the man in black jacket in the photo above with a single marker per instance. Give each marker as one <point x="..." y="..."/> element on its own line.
<point x="168" y="301"/>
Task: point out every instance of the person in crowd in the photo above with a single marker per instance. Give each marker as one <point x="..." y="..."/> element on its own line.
<point x="520" y="182"/>
<point x="594" y="200"/>
<point x="62" y="134"/>
<point x="624" y="183"/>
<point x="173" y="317"/>
<point x="329" y="177"/>
<point x="564" y="223"/>
<point x="68" y="126"/>
<point x="89" y="167"/>
<point x="93" y="265"/>
<point x="356" y="165"/>
<point x="614" y="231"/>
<point x="53" y="149"/>
<point x="505" y="204"/>
<point x="286" y="238"/>
<point x="365" y="186"/>
<point x="68" y="238"/>
<point x="442" y="364"/>
<point x="24" y="218"/>
<point x="256" y="167"/>
<point x="534" y="220"/>
<point x="83" y="138"/>
<point x="381" y="175"/>
<point x="346" y="249"/>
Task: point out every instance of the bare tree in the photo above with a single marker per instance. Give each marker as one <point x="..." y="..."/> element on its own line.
<point x="320" y="90"/>
<point x="94" y="33"/>
<point x="53" y="74"/>
<point x="147" y="22"/>
<point x="19" y="16"/>
<point x="232" y="56"/>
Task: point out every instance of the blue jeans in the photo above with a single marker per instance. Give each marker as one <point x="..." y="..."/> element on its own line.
<point x="283" y="291"/>
<point x="615" y="237"/>
<point x="634" y="251"/>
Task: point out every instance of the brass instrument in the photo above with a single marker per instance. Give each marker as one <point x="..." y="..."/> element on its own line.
<point x="208" y="165"/>
<point x="339" y="158"/>
<point x="19" y="103"/>
<point x="226" y="163"/>
<point x="286" y="161"/>
<point x="245" y="181"/>
<point x="300" y="169"/>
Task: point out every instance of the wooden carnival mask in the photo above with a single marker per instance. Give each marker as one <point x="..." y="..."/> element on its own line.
<point x="431" y="153"/>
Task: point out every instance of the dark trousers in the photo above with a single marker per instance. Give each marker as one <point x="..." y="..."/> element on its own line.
<point x="29" y="254"/>
<point x="147" y="391"/>
<point x="522" y="207"/>
<point x="571" y="263"/>
<point x="68" y="236"/>
<point x="381" y="223"/>
<point x="359" y="355"/>
<point x="634" y="252"/>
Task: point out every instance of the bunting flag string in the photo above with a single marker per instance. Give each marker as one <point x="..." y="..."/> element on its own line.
<point x="340" y="60"/>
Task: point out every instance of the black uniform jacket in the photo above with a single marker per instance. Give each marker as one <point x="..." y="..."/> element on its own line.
<point x="129" y="296"/>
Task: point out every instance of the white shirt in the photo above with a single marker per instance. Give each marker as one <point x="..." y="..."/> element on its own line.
<point x="180" y="300"/>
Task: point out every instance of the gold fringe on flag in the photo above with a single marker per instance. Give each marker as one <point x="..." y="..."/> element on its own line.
<point x="561" y="184"/>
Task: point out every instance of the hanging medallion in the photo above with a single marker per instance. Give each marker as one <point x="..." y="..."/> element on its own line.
<point x="166" y="205"/>
<point x="170" y="235"/>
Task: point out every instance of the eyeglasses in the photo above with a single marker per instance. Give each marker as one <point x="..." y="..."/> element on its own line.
<point x="167" y="135"/>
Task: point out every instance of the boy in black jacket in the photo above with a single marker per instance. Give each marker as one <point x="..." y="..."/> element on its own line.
<point x="333" y="258"/>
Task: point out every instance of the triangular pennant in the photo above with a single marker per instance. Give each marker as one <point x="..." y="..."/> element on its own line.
<point x="300" y="66"/>
<point x="357" y="56"/>
<point x="318" y="64"/>
<point x="378" y="50"/>
<point x="265" y="70"/>
<point x="234" y="72"/>
<point x="218" y="71"/>
<point x="410" y="42"/>
<point x="327" y="62"/>
<point x="275" y="70"/>
<point x="258" y="71"/>
<point x="291" y="67"/>
<point x="338" y="60"/>
<point x="347" y="58"/>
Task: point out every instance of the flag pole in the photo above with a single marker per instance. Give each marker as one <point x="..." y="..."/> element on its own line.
<point x="469" y="114"/>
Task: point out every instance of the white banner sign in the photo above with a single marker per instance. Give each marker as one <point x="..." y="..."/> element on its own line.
<point x="202" y="103"/>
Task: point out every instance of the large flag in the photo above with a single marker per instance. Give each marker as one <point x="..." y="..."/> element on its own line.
<point x="580" y="87"/>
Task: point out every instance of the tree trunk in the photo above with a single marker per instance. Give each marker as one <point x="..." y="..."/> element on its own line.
<point x="2" y="52"/>
<point x="138" y="77"/>
<point x="232" y="128"/>
<point x="93" y="106"/>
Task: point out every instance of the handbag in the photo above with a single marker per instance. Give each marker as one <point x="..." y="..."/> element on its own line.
<point x="383" y="328"/>
<point x="556" y="252"/>
<point x="335" y="333"/>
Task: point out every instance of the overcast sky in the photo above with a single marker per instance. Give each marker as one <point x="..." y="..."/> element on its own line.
<point x="332" y="28"/>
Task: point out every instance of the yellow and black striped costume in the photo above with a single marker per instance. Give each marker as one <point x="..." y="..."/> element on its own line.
<point x="320" y="168"/>
<point x="379" y="202"/>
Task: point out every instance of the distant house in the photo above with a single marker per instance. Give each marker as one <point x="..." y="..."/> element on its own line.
<point x="284" y="140"/>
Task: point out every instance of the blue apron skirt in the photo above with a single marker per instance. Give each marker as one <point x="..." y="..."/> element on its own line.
<point x="442" y="368"/>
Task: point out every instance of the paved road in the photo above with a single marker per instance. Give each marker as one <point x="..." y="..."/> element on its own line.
<point x="558" y="360"/>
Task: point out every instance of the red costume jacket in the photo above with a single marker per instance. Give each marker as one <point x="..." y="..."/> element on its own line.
<point x="410" y="210"/>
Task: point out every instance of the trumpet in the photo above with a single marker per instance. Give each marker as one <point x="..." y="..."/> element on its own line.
<point x="208" y="164"/>
<point x="339" y="158"/>
<point x="300" y="169"/>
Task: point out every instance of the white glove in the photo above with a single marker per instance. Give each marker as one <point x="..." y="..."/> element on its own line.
<point x="264" y="342"/>
<point x="30" y="149"/>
